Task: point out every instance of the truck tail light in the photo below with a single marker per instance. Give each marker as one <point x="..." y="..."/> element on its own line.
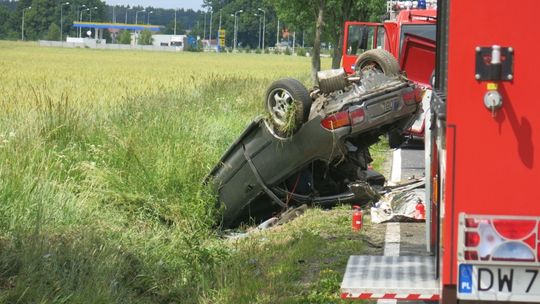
<point x="472" y="239"/>
<point x="513" y="229"/>
<point x="496" y="238"/>
<point x="337" y="120"/>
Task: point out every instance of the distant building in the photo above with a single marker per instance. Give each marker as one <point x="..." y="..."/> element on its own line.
<point x="177" y="41"/>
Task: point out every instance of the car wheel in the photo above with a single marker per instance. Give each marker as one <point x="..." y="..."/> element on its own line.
<point x="288" y="104"/>
<point x="395" y="139"/>
<point x="377" y="59"/>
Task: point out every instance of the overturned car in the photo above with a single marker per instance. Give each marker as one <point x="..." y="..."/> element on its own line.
<point x="313" y="146"/>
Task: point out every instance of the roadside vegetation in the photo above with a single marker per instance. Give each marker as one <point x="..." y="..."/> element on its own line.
<point x="102" y="155"/>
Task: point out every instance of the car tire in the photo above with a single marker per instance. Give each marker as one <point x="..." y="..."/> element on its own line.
<point x="380" y="59"/>
<point x="395" y="139"/>
<point x="287" y="103"/>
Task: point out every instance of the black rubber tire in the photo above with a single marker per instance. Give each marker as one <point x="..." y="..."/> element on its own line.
<point x="381" y="58"/>
<point x="395" y="139"/>
<point x="299" y="96"/>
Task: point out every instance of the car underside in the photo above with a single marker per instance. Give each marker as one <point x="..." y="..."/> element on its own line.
<point x="313" y="146"/>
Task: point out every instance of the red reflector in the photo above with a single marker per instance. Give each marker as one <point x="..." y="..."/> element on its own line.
<point x="419" y="94"/>
<point x="357" y="116"/>
<point x="514" y="229"/>
<point x="471" y="223"/>
<point x="472" y="239"/>
<point x="409" y="96"/>
<point x="471" y="255"/>
<point x="335" y="121"/>
<point x="531" y="241"/>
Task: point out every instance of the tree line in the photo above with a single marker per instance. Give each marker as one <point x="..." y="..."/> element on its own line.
<point x="42" y="18"/>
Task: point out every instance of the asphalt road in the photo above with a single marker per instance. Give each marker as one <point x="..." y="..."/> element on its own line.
<point x="412" y="235"/>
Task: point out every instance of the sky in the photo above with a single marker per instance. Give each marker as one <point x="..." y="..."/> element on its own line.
<point x="193" y="4"/>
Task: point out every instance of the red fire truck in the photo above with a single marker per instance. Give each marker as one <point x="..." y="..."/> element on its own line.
<point x="483" y="153"/>
<point x="409" y="36"/>
<point x="412" y="25"/>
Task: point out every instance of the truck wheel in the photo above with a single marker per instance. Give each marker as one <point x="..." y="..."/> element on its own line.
<point x="378" y="59"/>
<point x="288" y="104"/>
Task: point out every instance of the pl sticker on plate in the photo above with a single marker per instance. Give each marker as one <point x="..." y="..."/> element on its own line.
<point x="465" y="278"/>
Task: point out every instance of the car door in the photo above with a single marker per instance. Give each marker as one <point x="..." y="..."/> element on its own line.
<point x="358" y="38"/>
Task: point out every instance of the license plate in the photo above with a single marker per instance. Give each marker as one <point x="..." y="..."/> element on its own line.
<point x="387" y="105"/>
<point x="499" y="283"/>
<point x="380" y="108"/>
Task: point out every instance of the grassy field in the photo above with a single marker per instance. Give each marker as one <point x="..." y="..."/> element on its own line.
<point x="101" y="158"/>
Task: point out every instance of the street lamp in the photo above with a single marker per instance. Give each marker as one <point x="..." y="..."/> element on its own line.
<point x="257" y="15"/>
<point x="62" y="20"/>
<point x="236" y="28"/>
<point x="79" y="11"/>
<point x="148" y="17"/>
<point x="264" y="24"/>
<point x="204" y="29"/>
<point x="22" y="25"/>
<point x="210" y="31"/>
<point x="90" y="9"/>
<point x="175" y="10"/>
<point x="137" y="16"/>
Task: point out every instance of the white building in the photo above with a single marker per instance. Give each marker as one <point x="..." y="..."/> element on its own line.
<point x="177" y="41"/>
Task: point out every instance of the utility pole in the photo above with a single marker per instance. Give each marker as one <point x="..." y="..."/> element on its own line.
<point x="137" y="16"/>
<point x="90" y="9"/>
<point x="80" y="17"/>
<point x="277" y="33"/>
<point x="220" y="19"/>
<point x="62" y="20"/>
<point x="259" y="34"/>
<point x="264" y="25"/>
<point x="293" y="41"/>
<point x="125" y="20"/>
<point x="204" y="30"/>
<point x="175" y="20"/>
<point x="210" y="30"/>
<point x="22" y="25"/>
<point x="236" y="29"/>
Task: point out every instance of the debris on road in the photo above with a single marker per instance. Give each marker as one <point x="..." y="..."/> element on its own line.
<point x="399" y="205"/>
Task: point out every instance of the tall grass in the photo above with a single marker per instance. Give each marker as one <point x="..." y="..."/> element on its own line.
<point x="101" y="158"/>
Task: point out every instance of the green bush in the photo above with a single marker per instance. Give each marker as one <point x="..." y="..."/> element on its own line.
<point x="287" y="51"/>
<point x="124" y="37"/>
<point x="53" y="33"/>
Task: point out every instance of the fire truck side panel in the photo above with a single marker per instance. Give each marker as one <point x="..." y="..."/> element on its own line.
<point x="492" y="158"/>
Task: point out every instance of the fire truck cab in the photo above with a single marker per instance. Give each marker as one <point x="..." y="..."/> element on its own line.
<point x="406" y="26"/>
<point x="482" y="154"/>
<point x="408" y="35"/>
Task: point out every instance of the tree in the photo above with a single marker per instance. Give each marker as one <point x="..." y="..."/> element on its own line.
<point x="146" y="38"/>
<point x="4" y="22"/>
<point x="53" y="33"/>
<point x="304" y="14"/>
<point x="124" y="37"/>
<point x="169" y="29"/>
